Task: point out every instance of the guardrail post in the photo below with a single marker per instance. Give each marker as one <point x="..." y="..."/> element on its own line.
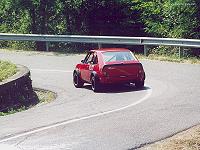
<point x="145" y="50"/>
<point x="180" y="52"/>
<point x="47" y="46"/>
<point x="99" y="45"/>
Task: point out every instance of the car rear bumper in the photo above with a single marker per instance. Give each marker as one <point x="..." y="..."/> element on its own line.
<point x="120" y="80"/>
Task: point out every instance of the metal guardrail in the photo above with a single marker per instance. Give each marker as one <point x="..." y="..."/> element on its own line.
<point x="103" y="40"/>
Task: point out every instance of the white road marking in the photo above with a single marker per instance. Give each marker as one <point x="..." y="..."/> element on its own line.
<point x="52" y="70"/>
<point x="149" y="92"/>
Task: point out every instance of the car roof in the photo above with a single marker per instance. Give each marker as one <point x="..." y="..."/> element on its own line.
<point x="110" y="49"/>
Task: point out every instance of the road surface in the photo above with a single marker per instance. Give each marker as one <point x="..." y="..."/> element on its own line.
<point x="119" y="118"/>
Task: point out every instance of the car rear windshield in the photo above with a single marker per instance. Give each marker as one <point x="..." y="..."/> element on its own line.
<point x="117" y="56"/>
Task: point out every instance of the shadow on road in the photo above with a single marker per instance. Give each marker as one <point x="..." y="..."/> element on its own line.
<point x="118" y="88"/>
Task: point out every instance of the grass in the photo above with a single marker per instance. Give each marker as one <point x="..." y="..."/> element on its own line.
<point x="34" y="52"/>
<point x="191" y="60"/>
<point x="12" y="111"/>
<point x="172" y="58"/>
<point x="186" y="140"/>
<point x="44" y="97"/>
<point x="7" y="69"/>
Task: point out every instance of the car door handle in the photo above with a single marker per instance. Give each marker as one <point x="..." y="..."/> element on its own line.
<point x="91" y="68"/>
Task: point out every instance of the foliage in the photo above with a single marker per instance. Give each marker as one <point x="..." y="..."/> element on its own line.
<point x="169" y="18"/>
<point x="7" y="69"/>
<point x="97" y="17"/>
<point x="160" y="18"/>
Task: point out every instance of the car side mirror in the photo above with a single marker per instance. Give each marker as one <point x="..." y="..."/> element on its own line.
<point x="82" y="61"/>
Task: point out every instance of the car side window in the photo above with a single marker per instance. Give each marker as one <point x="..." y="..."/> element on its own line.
<point x="89" y="58"/>
<point x="86" y="57"/>
<point x="95" y="59"/>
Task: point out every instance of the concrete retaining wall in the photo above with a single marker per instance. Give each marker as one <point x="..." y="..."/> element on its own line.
<point x="17" y="90"/>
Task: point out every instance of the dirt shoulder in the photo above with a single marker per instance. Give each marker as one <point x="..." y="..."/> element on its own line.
<point x="186" y="140"/>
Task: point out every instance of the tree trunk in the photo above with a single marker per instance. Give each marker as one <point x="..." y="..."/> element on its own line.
<point x="42" y="24"/>
<point x="198" y="15"/>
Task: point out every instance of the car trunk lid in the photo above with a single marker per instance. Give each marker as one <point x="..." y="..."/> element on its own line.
<point x="122" y="69"/>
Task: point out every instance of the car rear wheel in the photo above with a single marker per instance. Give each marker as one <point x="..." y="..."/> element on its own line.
<point x="139" y="84"/>
<point x="95" y="84"/>
<point x="78" y="83"/>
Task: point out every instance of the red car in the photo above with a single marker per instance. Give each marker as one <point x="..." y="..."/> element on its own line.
<point x="109" y="66"/>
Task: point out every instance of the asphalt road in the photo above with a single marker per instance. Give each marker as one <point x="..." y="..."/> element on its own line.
<point x="119" y="118"/>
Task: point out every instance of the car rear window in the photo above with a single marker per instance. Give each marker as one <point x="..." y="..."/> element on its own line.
<point x="118" y="56"/>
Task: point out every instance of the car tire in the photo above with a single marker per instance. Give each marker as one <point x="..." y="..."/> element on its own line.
<point x="95" y="84"/>
<point x="78" y="82"/>
<point x="139" y="84"/>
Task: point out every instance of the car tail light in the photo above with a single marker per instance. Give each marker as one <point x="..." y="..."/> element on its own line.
<point x="105" y="74"/>
<point x="140" y="71"/>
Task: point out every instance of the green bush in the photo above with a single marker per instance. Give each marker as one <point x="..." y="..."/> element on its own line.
<point x="165" y="50"/>
<point x="173" y="51"/>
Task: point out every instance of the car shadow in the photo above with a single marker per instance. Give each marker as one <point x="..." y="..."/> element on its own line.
<point x="118" y="88"/>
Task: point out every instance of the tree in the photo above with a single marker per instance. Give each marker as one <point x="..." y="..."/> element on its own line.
<point x="169" y="18"/>
<point x="111" y="17"/>
<point x="197" y="2"/>
<point x="43" y="15"/>
<point x="13" y="19"/>
<point x="73" y="16"/>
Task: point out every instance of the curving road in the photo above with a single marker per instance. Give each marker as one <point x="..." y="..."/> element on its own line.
<point x="119" y="118"/>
